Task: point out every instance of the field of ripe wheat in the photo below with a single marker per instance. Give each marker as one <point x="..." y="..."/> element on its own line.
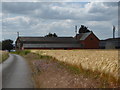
<point x="104" y="61"/>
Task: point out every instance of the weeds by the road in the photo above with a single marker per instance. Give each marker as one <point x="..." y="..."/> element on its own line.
<point x="100" y="63"/>
<point x="48" y="67"/>
<point x="20" y="52"/>
<point x="107" y="80"/>
<point x="3" y="56"/>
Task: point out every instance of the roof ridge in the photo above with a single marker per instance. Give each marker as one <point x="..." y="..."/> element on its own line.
<point x="43" y="37"/>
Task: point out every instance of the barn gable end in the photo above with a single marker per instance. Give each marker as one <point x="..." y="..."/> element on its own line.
<point x="88" y="40"/>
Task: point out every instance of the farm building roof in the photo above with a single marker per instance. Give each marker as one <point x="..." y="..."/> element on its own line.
<point x="113" y="39"/>
<point x="83" y="36"/>
<point x="47" y="39"/>
<point x="110" y="41"/>
<point x="49" y="42"/>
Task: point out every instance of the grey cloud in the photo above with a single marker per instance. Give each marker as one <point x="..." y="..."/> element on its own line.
<point x="112" y="4"/>
<point x="46" y="11"/>
<point x="40" y="18"/>
<point x="103" y="8"/>
<point x="19" y="8"/>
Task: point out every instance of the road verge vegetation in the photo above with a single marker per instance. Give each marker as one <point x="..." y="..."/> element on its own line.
<point x="22" y="53"/>
<point x="96" y="63"/>
<point x="3" y="56"/>
<point x="106" y="79"/>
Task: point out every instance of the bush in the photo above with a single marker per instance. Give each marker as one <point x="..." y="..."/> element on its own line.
<point x="24" y="52"/>
<point x="3" y="56"/>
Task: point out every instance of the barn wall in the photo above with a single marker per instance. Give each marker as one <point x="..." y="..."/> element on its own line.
<point x="51" y="46"/>
<point x="91" y="42"/>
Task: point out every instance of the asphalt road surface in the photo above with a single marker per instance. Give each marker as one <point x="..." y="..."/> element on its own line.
<point x="16" y="73"/>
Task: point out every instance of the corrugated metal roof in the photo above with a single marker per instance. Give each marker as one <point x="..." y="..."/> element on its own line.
<point x="84" y="35"/>
<point x="47" y="39"/>
<point x="49" y="42"/>
<point x="113" y="39"/>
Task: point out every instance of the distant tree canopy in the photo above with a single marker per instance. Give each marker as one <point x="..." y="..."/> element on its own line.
<point x="83" y="29"/>
<point x="51" y="35"/>
<point x="7" y="45"/>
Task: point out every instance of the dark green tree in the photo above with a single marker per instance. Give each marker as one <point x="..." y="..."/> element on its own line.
<point x="83" y="29"/>
<point x="55" y="35"/>
<point x="51" y="35"/>
<point x="7" y="45"/>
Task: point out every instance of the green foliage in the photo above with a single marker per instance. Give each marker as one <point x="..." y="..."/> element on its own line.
<point x="7" y="45"/>
<point x="3" y="56"/>
<point x="51" y="35"/>
<point x="45" y="57"/>
<point x="23" y="52"/>
<point x="72" y="68"/>
<point x="83" y="29"/>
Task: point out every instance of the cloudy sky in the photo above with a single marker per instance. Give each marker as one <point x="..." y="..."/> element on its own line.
<point x="40" y="18"/>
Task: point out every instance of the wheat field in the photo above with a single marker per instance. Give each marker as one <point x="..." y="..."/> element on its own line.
<point x="104" y="61"/>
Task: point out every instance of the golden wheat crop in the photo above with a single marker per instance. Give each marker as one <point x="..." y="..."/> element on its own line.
<point x="105" y="61"/>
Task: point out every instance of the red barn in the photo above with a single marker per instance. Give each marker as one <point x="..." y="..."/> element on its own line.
<point x="88" y="40"/>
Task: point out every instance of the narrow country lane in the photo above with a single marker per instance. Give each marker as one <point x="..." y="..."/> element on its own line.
<point x="16" y="73"/>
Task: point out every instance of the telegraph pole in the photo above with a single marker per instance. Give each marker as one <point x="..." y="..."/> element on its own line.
<point x="76" y="31"/>
<point x="18" y="34"/>
<point x="113" y="31"/>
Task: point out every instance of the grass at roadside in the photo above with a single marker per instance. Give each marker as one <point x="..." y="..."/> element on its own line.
<point x="3" y="56"/>
<point x="22" y="53"/>
<point x="103" y="62"/>
<point x="105" y="78"/>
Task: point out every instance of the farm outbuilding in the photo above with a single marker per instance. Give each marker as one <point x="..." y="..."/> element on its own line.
<point x="47" y="43"/>
<point x="81" y="41"/>
<point x="88" y="40"/>
<point x="111" y="43"/>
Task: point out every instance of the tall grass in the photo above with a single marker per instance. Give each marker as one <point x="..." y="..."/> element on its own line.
<point x="3" y="56"/>
<point x="21" y="52"/>
<point x="102" y="62"/>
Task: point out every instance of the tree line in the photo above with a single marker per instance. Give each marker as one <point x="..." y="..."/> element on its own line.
<point x="6" y="45"/>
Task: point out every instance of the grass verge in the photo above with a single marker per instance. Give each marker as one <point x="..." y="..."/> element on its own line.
<point x="3" y="56"/>
<point x="22" y="53"/>
<point x="106" y="79"/>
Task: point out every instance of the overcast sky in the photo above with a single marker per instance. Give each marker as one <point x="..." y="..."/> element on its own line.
<point x="40" y="18"/>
